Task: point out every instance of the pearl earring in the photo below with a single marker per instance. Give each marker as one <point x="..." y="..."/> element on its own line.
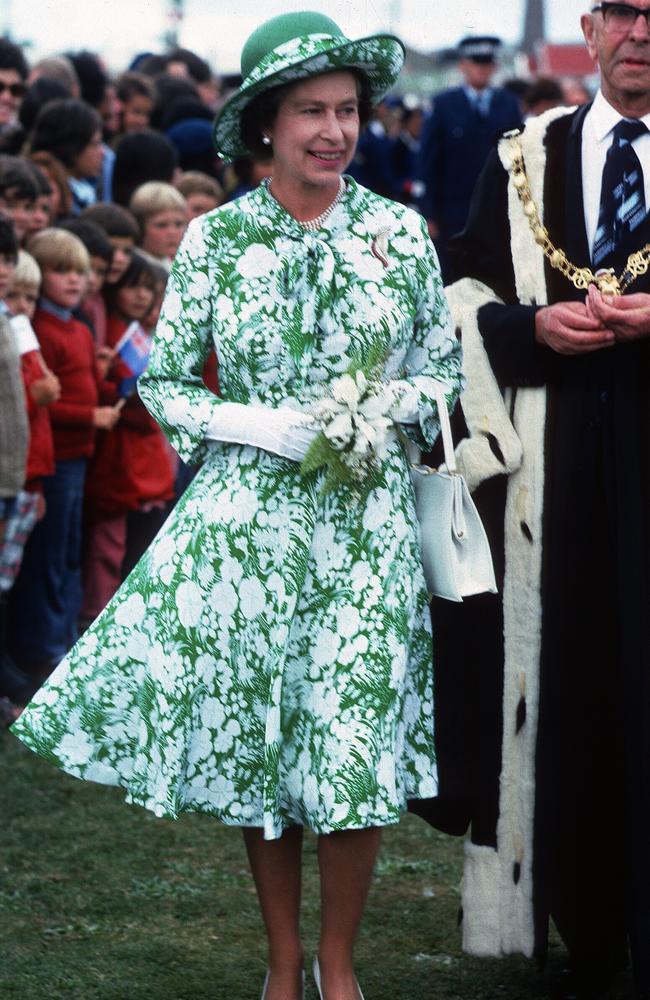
<point x="266" y="140"/>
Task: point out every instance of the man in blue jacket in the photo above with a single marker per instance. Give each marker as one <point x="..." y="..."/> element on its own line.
<point x="458" y="136"/>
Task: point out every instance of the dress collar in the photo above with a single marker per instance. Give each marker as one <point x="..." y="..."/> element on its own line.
<point x="262" y="200"/>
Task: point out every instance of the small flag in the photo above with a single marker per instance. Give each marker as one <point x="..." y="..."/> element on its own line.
<point x="132" y="349"/>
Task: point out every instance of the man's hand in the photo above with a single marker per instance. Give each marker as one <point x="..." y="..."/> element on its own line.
<point x="570" y="328"/>
<point x="628" y="316"/>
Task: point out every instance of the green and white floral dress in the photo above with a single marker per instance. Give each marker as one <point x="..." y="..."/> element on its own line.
<point x="268" y="661"/>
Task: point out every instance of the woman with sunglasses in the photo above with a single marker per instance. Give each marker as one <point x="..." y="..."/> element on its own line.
<point x="13" y="77"/>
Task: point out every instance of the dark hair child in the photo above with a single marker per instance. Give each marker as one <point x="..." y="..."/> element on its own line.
<point x="142" y="157"/>
<point x="65" y="128"/>
<point x="57" y="178"/>
<point x="92" y="309"/>
<point x="137" y="95"/>
<point x="131" y="479"/>
<point x="18" y="193"/>
<point x="122" y="231"/>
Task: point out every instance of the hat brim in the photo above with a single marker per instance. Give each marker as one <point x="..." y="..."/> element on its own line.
<point x="379" y="57"/>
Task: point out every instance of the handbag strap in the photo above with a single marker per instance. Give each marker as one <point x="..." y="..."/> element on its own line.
<point x="445" y="426"/>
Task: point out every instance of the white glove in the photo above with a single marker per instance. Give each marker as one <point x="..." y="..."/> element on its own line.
<point x="405" y="410"/>
<point x="283" y="431"/>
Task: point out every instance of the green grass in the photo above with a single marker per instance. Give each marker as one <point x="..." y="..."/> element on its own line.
<point x="102" y="901"/>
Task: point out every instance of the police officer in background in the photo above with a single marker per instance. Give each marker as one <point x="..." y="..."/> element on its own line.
<point x="372" y="165"/>
<point x="458" y="137"/>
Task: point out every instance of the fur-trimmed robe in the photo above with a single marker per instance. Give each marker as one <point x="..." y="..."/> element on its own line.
<point x="495" y="655"/>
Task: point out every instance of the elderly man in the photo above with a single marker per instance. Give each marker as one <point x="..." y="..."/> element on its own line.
<point x="544" y="691"/>
<point x="458" y="137"/>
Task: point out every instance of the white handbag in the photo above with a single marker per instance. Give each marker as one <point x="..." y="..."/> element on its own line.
<point x="455" y="551"/>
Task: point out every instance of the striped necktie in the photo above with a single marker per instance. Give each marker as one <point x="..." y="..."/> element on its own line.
<point x="622" y="194"/>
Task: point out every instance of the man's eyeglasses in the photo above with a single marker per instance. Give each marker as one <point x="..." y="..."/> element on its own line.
<point x="620" y="16"/>
<point x="15" y="89"/>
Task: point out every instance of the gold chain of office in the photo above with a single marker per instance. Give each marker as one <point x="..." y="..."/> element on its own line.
<point x="605" y="279"/>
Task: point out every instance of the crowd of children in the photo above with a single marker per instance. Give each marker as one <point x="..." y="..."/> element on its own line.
<point x="94" y="202"/>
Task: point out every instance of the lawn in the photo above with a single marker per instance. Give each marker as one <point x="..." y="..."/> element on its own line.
<point x="102" y="901"/>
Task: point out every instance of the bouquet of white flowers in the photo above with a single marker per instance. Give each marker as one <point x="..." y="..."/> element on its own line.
<point x="356" y="426"/>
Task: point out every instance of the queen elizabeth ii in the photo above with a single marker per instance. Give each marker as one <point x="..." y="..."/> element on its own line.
<point x="302" y="689"/>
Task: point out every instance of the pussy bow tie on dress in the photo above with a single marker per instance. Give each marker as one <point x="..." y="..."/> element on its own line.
<point x="308" y="269"/>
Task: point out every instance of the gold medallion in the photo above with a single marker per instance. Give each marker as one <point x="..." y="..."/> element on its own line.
<point x="580" y="277"/>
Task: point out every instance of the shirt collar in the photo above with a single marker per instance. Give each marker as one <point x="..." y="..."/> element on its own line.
<point x="604" y="117"/>
<point x="54" y="310"/>
<point x="477" y="95"/>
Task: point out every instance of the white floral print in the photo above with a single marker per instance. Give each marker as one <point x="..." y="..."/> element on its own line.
<point x="268" y="661"/>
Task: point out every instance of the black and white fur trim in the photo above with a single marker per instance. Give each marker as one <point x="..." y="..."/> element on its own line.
<point x="497" y="889"/>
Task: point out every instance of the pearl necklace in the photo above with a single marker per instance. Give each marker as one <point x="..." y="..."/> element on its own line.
<point x="313" y="225"/>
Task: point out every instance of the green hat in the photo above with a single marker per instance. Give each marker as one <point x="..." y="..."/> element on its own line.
<point x="292" y="47"/>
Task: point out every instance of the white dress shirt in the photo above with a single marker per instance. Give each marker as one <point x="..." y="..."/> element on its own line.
<point x="596" y="140"/>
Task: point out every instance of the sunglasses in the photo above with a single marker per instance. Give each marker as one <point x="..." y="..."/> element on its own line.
<point x="15" y="89"/>
<point x="620" y="16"/>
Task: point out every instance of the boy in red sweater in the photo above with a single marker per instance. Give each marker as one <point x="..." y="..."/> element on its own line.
<point x="46" y="599"/>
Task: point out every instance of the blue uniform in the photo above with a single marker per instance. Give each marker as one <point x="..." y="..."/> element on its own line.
<point x="456" y="140"/>
<point x="372" y="166"/>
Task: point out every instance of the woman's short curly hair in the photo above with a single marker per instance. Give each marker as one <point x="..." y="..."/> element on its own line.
<point x="260" y="114"/>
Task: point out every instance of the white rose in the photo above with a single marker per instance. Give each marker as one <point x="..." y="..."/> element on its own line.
<point x="340" y="430"/>
<point x="348" y="621"/>
<point x="162" y="551"/>
<point x="131" y="612"/>
<point x="189" y="602"/>
<point x="345" y="390"/>
<point x="75" y="748"/>
<point x="224" y="599"/>
<point x="199" y="285"/>
<point x="377" y="510"/>
<point x="257" y="261"/>
<point x="252" y="598"/>
<point x="175" y="410"/>
<point x="212" y="713"/>
<point x="173" y="305"/>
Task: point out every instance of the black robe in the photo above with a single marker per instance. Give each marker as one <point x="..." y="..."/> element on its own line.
<point x="592" y="771"/>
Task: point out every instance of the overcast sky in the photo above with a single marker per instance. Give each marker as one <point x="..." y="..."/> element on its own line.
<point x="217" y="28"/>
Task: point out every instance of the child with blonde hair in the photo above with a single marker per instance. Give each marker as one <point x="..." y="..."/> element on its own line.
<point x="201" y="192"/>
<point x="42" y="387"/>
<point x="161" y="213"/>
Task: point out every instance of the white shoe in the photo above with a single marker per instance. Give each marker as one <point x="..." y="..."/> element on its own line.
<point x="316" y="971"/>
<point x="266" y="985"/>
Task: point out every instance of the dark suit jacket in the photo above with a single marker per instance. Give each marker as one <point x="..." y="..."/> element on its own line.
<point x="456" y="142"/>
